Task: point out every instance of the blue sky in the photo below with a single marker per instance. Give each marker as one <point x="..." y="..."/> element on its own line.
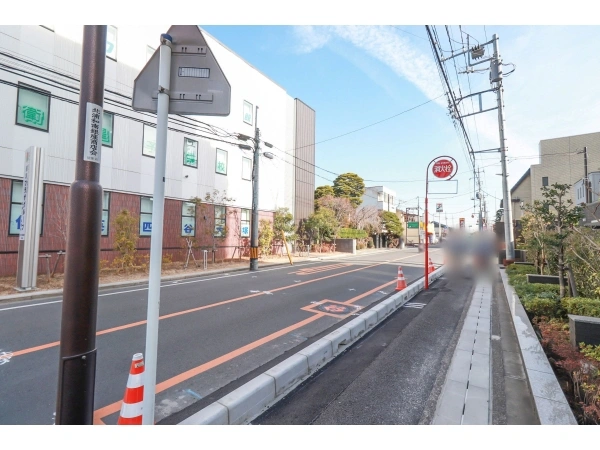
<point x="354" y="76"/>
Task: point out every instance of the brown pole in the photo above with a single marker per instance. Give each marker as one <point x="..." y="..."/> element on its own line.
<point x="77" y="364"/>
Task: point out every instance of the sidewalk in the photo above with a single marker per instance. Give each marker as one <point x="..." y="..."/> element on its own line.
<point x="143" y="277"/>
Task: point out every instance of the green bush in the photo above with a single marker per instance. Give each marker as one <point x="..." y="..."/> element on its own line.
<point x="351" y="233"/>
<point x="540" y="306"/>
<point x="581" y="306"/>
<point x="519" y="269"/>
<point x="591" y="351"/>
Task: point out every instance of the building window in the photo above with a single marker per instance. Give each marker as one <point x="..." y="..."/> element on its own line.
<point x="108" y="122"/>
<point x="149" y="146"/>
<point x="188" y="219"/>
<point x="221" y="162"/>
<point x="105" y="215"/>
<point x="16" y="204"/>
<point x="245" y="223"/>
<point x="190" y="153"/>
<point x="544" y="181"/>
<point x="111" y="42"/>
<point x="248" y="113"/>
<point x="220" y="221"/>
<point x="246" y="169"/>
<point x="380" y="196"/>
<point x="149" y="52"/>
<point x="145" y="216"/>
<point x="16" y="208"/>
<point x="33" y="107"/>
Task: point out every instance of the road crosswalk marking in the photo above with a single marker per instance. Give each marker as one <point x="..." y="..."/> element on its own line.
<point x="414" y="305"/>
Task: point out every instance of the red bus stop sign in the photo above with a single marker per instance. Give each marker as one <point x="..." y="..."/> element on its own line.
<point x="443" y="168"/>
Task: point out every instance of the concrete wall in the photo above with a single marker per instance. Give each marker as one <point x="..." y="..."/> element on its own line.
<point x="345" y="245"/>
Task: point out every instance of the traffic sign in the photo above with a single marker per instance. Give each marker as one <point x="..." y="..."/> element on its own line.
<point x="439" y="208"/>
<point x="443" y="168"/>
<point x="461" y="221"/>
<point x="198" y="85"/>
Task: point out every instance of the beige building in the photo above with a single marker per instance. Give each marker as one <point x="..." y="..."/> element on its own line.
<point x="561" y="161"/>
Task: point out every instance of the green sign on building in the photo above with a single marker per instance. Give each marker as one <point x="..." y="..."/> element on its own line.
<point x="190" y="152"/>
<point x="413" y="224"/>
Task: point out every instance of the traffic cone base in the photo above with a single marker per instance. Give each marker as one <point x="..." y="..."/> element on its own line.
<point x="131" y="408"/>
<point x="401" y="283"/>
<point x="430" y="267"/>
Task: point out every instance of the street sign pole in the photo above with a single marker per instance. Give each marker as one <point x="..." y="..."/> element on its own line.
<point x="162" y="117"/>
<point x="77" y="363"/>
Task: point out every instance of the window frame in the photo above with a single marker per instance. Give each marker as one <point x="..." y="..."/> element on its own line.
<point x="107" y="209"/>
<point x="11" y="203"/>
<point x="547" y="182"/>
<point x="250" y="175"/>
<point x="223" y="220"/>
<point x="217" y="161"/>
<point x="112" y="128"/>
<point x="144" y="140"/>
<point x="39" y="91"/>
<point x="183" y="206"/>
<point x="116" y="42"/>
<point x="246" y="102"/>
<point x="185" y="139"/>
<point x="147" y="214"/>
<point x="242" y="221"/>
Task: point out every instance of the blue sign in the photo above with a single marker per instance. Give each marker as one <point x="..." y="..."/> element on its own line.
<point x="147" y="227"/>
<point x="245" y="231"/>
<point x="103" y="227"/>
<point x="188" y="228"/>
<point x="19" y="222"/>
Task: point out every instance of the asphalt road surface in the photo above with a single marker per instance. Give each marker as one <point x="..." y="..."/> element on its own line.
<point x="214" y="331"/>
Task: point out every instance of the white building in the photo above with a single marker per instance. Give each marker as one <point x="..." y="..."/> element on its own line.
<point x="39" y="92"/>
<point x="381" y="197"/>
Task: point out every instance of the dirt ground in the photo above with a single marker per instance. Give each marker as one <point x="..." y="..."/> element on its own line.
<point x="109" y="275"/>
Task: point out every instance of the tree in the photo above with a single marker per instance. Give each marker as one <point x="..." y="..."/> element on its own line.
<point x="367" y="218"/>
<point x="392" y="224"/>
<point x="125" y="231"/>
<point x="322" y="191"/>
<point x="341" y="207"/>
<point x="322" y="225"/>
<point x="265" y="237"/>
<point x="283" y="223"/>
<point x="534" y="232"/>
<point x="561" y="216"/>
<point x="350" y="186"/>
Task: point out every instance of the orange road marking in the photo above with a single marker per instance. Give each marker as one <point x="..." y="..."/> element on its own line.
<point x="99" y="414"/>
<point x="200" y="308"/>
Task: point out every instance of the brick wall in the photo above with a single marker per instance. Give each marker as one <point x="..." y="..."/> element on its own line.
<point x="55" y="215"/>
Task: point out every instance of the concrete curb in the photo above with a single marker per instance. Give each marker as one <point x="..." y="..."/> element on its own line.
<point x="550" y="402"/>
<point x="35" y="295"/>
<point x="256" y="396"/>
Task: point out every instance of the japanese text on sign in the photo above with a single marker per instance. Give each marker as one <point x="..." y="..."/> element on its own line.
<point x="93" y="127"/>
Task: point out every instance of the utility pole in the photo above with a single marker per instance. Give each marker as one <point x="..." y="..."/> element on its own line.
<point x="496" y="77"/>
<point x="77" y="363"/>
<point x="254" y="224"/>
<point x="479" y="197"/>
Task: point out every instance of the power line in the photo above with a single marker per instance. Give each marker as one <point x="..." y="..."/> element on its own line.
<point x="403" y="30"/>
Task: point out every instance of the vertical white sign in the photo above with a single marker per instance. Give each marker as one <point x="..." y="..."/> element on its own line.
<point x="25" y="185"/>
<point x="93" y="133"/>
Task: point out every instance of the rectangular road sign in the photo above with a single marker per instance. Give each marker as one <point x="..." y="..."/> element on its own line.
<point x="198" y="85"/>
<point x="439" y="208"/>
<point x="461" y="221"/>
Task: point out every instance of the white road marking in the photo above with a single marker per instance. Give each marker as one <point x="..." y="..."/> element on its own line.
<point x="5" y="357"/>
<point x="381" y="292"/>
<point x="267" y="293"/>
<point x="415" y="305"/>
<point x="204" y="279"/>
<point x="351" y="289"/>
<point x="255" y="292"/>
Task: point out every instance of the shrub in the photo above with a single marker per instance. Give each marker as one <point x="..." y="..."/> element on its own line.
<point x="581" y="306"/>
<point x="536" y="289"/>
<point x="265" y="237"/>
<point x="351" y="233"/>
<point x="518" y="269"/>
<point x="543" y="307"/>
<point x="370" y="243"/>
<point x="591" y="351"/>
<point x="125" y="231"/>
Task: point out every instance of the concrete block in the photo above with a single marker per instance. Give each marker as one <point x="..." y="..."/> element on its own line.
<point x="318" y="354"/>
<point x="340" y="339"/>
<point x="357" y="327"/>
<point x="213" y="414"/>
<point x="370" y="318"/>
<point x="546" y="385"/>
<point x="383" y="310"/>
<point x="249" y="400"/>
<point x="451" y="404"/>
<point x="288" y="373"/>
<point x="554" y="413"/>
<point x="476" y="406"/>
<point x="480" y="371"/>
<point x="584" y="329"/>
<point x="401" y="299"/>
<point x="459" y="367"/>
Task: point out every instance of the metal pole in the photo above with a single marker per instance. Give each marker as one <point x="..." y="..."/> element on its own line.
<point x="162" y="117"/>
<point x="426" y="239"/>
<point x="585" y="180"/>
<point x="508" y="229"/>
<point x="419" y="218"/>
<point x="254" y="225"/>
<point x="77" y="364"/>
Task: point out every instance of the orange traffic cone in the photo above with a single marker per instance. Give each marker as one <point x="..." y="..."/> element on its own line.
<point x="131" y="409"/>
<point x="431" y="267"/>
<point x="401" y="283"/>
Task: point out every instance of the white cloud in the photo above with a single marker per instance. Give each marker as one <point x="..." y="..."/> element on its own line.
<point x="311" y="38"/>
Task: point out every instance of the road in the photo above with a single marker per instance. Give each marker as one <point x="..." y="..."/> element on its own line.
<point x="213" y="332"/>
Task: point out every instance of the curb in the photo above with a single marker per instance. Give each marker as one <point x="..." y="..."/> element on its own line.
<point x="250" y="400"/>
<point x="550" y="402"/>
<point x="35" y="295"/>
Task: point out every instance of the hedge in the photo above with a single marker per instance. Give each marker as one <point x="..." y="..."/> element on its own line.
<point x="539" y="306"/>
<point x="581" y="306"/>
<point x="517" y="269"/>
<point x="351" y="233"/>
